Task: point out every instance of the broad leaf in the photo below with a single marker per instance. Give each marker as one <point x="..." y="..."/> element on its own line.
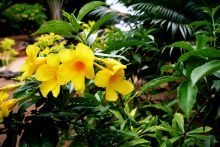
<point x="156" y="82"/>
<point x="72" y="19"/>
<point x="99" y="23"/>
<point x="183" y="44"/>
<point x="201" y="23"/>
<point x="202" y="40"/>
<point x="204" y="53"/>
<point x="117" y="115"/>
<point x="186" y="95"/>
<point x="87" y="8"/>
<point x="56" y="26"/>
<point x="204" y="70"/>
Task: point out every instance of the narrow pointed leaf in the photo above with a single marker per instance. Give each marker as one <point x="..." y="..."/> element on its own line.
<point x="99" y="23"/>
<point x="200" y="130"/>
<point x="204" y="70"/>
<point x="186" y="95"/>
<point x="156" y="82"/>
<point x="180" y="121"/>
<point x="87" y="8"/>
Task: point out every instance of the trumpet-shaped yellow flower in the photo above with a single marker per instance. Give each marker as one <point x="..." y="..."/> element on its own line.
<point x="49" y="75"/>
<point x="32" y="62"/>
<point x="113" y="80"/>
<point x="6" y="105"/>
<point x="77" y="64"/>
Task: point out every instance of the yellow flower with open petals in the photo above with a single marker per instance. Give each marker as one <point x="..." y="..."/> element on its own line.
<point x="113" y="80"/>
<point x="77" y="64"/>
<point x="6" y="105"/>
<point x="32" y="62"/>
<point x="48" y="74"/>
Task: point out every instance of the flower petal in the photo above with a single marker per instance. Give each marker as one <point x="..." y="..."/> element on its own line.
<point x="123" y="86"/>
<point x="110" y="94"/>
<point x="78" y="80"/>
<point x="53" y="60"/>
<point x="56" y="91"/>
<point x="32" y="51"/>
<point x="89" y="71"/>
<point x="84" y="53"/>
<point x="66" y="55"/>
<point x="64" y="73"/>
<point x="102" y="78"/>
<point x="45" y="73"/>
<point x="47" y="86"/>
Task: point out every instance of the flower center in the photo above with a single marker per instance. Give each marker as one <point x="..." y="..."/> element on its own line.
<point x="114" y="78"/>
<point x="79" y="66"/>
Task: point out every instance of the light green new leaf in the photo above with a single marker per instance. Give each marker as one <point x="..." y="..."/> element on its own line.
<point x="56" y="26"/>
<point x="156" y="82"/>
<point x="179" y="120"/>
<point x="186" y="95"/>
<point x="136" y="142"/>
<point x="87" y="8"/>
<point x="204" y="53"/>
<point x="99" y="23"/>
<point x="200" y="130"/>
<point x="117" y="115"/>
<point x="183" y="44"/>
<point x="204" y="70"/>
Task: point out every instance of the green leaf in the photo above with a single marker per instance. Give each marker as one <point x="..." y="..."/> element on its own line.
<point x="202" y="40"/>
<point x="56" y="26"/>
<point x="183" y="44"/>
<point x="200" y="130"/>
<point x="204" y="70"/>
<point x="117" y="115"/>
<point x="87" y="8"/>
<point x="186" y="95"/>
<point x="72" y="19"/>
<point x="165" y="68"/>
<point x="201" y="23"/>
<point x="214" y="10"/>
<point x="205" y="53"/>
<point x="156" y="82"/>
<point x="135" y="142"/>
<point x="99" y="23"/>
<point x="178" y="117"/>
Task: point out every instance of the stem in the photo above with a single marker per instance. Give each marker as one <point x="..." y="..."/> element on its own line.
<point x="213" y="31"/>
<point x="99" y="66"/>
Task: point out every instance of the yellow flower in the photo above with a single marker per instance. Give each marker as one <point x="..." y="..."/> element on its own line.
<point x="113" y="80"/>
<point x="32" y="62"/>
<point x="10" y="87"/>
<point x="7" y="43"/>
<point x="6" y="105"/>
<point x="77" y="64"/>
<point x="48" y="74"/>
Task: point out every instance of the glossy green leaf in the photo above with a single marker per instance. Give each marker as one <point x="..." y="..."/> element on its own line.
<point x="204" y="70"/>
<point x="156" y="82"/>
<point x="186" y="95"/>
<point x="117" y="115"/>
<point x="200" y="130"/>
<point x="56" y="26"/>
<point x="178" y="117"/>
<point x="202" y="40"/>
<point x="72" y="19"/>
<point x="204" y="53"/>
<point x="183" y="44"/>
<point x="87" y="8"/>
<point x="99" y="23"/>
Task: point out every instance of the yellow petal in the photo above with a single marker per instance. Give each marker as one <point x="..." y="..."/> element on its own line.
<point x="64" y="73"/>
<point x="4" y="110"/>
<point x="89" y="71"/>
<point x="102" y="78"/>
<point x="32" y="51"/>
<point x="56" y="91"/>
<point x="53" y="60"/>
<point x="78" y="80"/>
<point x="47" y="86"/>
<point x="11" y="87"/>
<point x="110" y="94"/>
<point x="66" y="55"/>
<point x="123" y="86"/>
<point x="3" y="96"/>
<point x="45" y="73"/>
<point x="84" y="52"/>
<point x="11" y="103"/>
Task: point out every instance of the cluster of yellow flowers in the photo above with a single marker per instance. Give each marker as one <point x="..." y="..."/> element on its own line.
<point x="7" y="44"/>
<point x="75" y="65"/>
